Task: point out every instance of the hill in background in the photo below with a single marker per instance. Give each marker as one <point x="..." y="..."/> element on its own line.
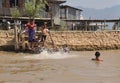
<point x="107" y="13"/>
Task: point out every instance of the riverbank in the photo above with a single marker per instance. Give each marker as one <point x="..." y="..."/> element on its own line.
<point x="76" y="40"/>
<point x="88" y="40"/>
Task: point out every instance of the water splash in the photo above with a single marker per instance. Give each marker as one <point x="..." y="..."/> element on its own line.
<point x="47" y="55"/>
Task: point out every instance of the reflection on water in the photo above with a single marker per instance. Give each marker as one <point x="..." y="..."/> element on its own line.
<point x="60" y="67"/>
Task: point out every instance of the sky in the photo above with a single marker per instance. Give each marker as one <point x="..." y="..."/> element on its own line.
<point x="97" y="4"/>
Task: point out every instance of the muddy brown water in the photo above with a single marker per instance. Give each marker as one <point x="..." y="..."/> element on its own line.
<point x="73" y="67"/>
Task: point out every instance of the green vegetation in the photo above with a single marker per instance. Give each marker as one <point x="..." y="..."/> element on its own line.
<point x="15" y="13"/>
<point x="63" y="25"/>
<point x="32" y="8"/>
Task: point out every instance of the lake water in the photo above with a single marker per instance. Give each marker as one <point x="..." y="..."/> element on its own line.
<point x="73" y="67"/>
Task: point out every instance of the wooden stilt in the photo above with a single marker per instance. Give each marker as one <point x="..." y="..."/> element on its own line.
<point x="16" y="38"/>
<point x="86" y="26"/>
<point x="104" y="24"/>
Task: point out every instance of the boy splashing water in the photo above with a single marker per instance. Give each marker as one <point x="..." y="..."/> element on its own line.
<point x="44" y="31"/>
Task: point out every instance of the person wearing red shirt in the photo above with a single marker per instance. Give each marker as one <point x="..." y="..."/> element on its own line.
<point x="31" y="33"/>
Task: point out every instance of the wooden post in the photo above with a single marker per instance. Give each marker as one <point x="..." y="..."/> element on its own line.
<point x="52" y="24"/>
<point x="86" y="25"/>
<point x="16" y="37"/>
<point x="101" y="25"/>
<point x="51" y="15"/>
<point x="117" y="25"/>
<point x="104" y="24"/>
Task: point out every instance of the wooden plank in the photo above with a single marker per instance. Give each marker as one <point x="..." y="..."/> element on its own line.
<point x="92" y="20"/>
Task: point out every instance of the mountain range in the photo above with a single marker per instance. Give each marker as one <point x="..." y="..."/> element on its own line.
<point x="106" y="13"/>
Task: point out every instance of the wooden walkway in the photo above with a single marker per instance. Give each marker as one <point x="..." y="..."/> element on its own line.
<point x="94" y="20"/>
<point x="87" y="24"/>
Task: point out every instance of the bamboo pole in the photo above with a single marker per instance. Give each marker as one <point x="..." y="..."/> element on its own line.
<point x="53" y="44"/>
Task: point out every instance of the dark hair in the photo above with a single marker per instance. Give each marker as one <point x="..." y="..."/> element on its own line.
<point x="31" y="20"/>
<point x="97" y="54"/>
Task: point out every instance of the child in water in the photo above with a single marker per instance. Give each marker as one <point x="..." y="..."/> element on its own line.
<point x="97" y="55"/>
